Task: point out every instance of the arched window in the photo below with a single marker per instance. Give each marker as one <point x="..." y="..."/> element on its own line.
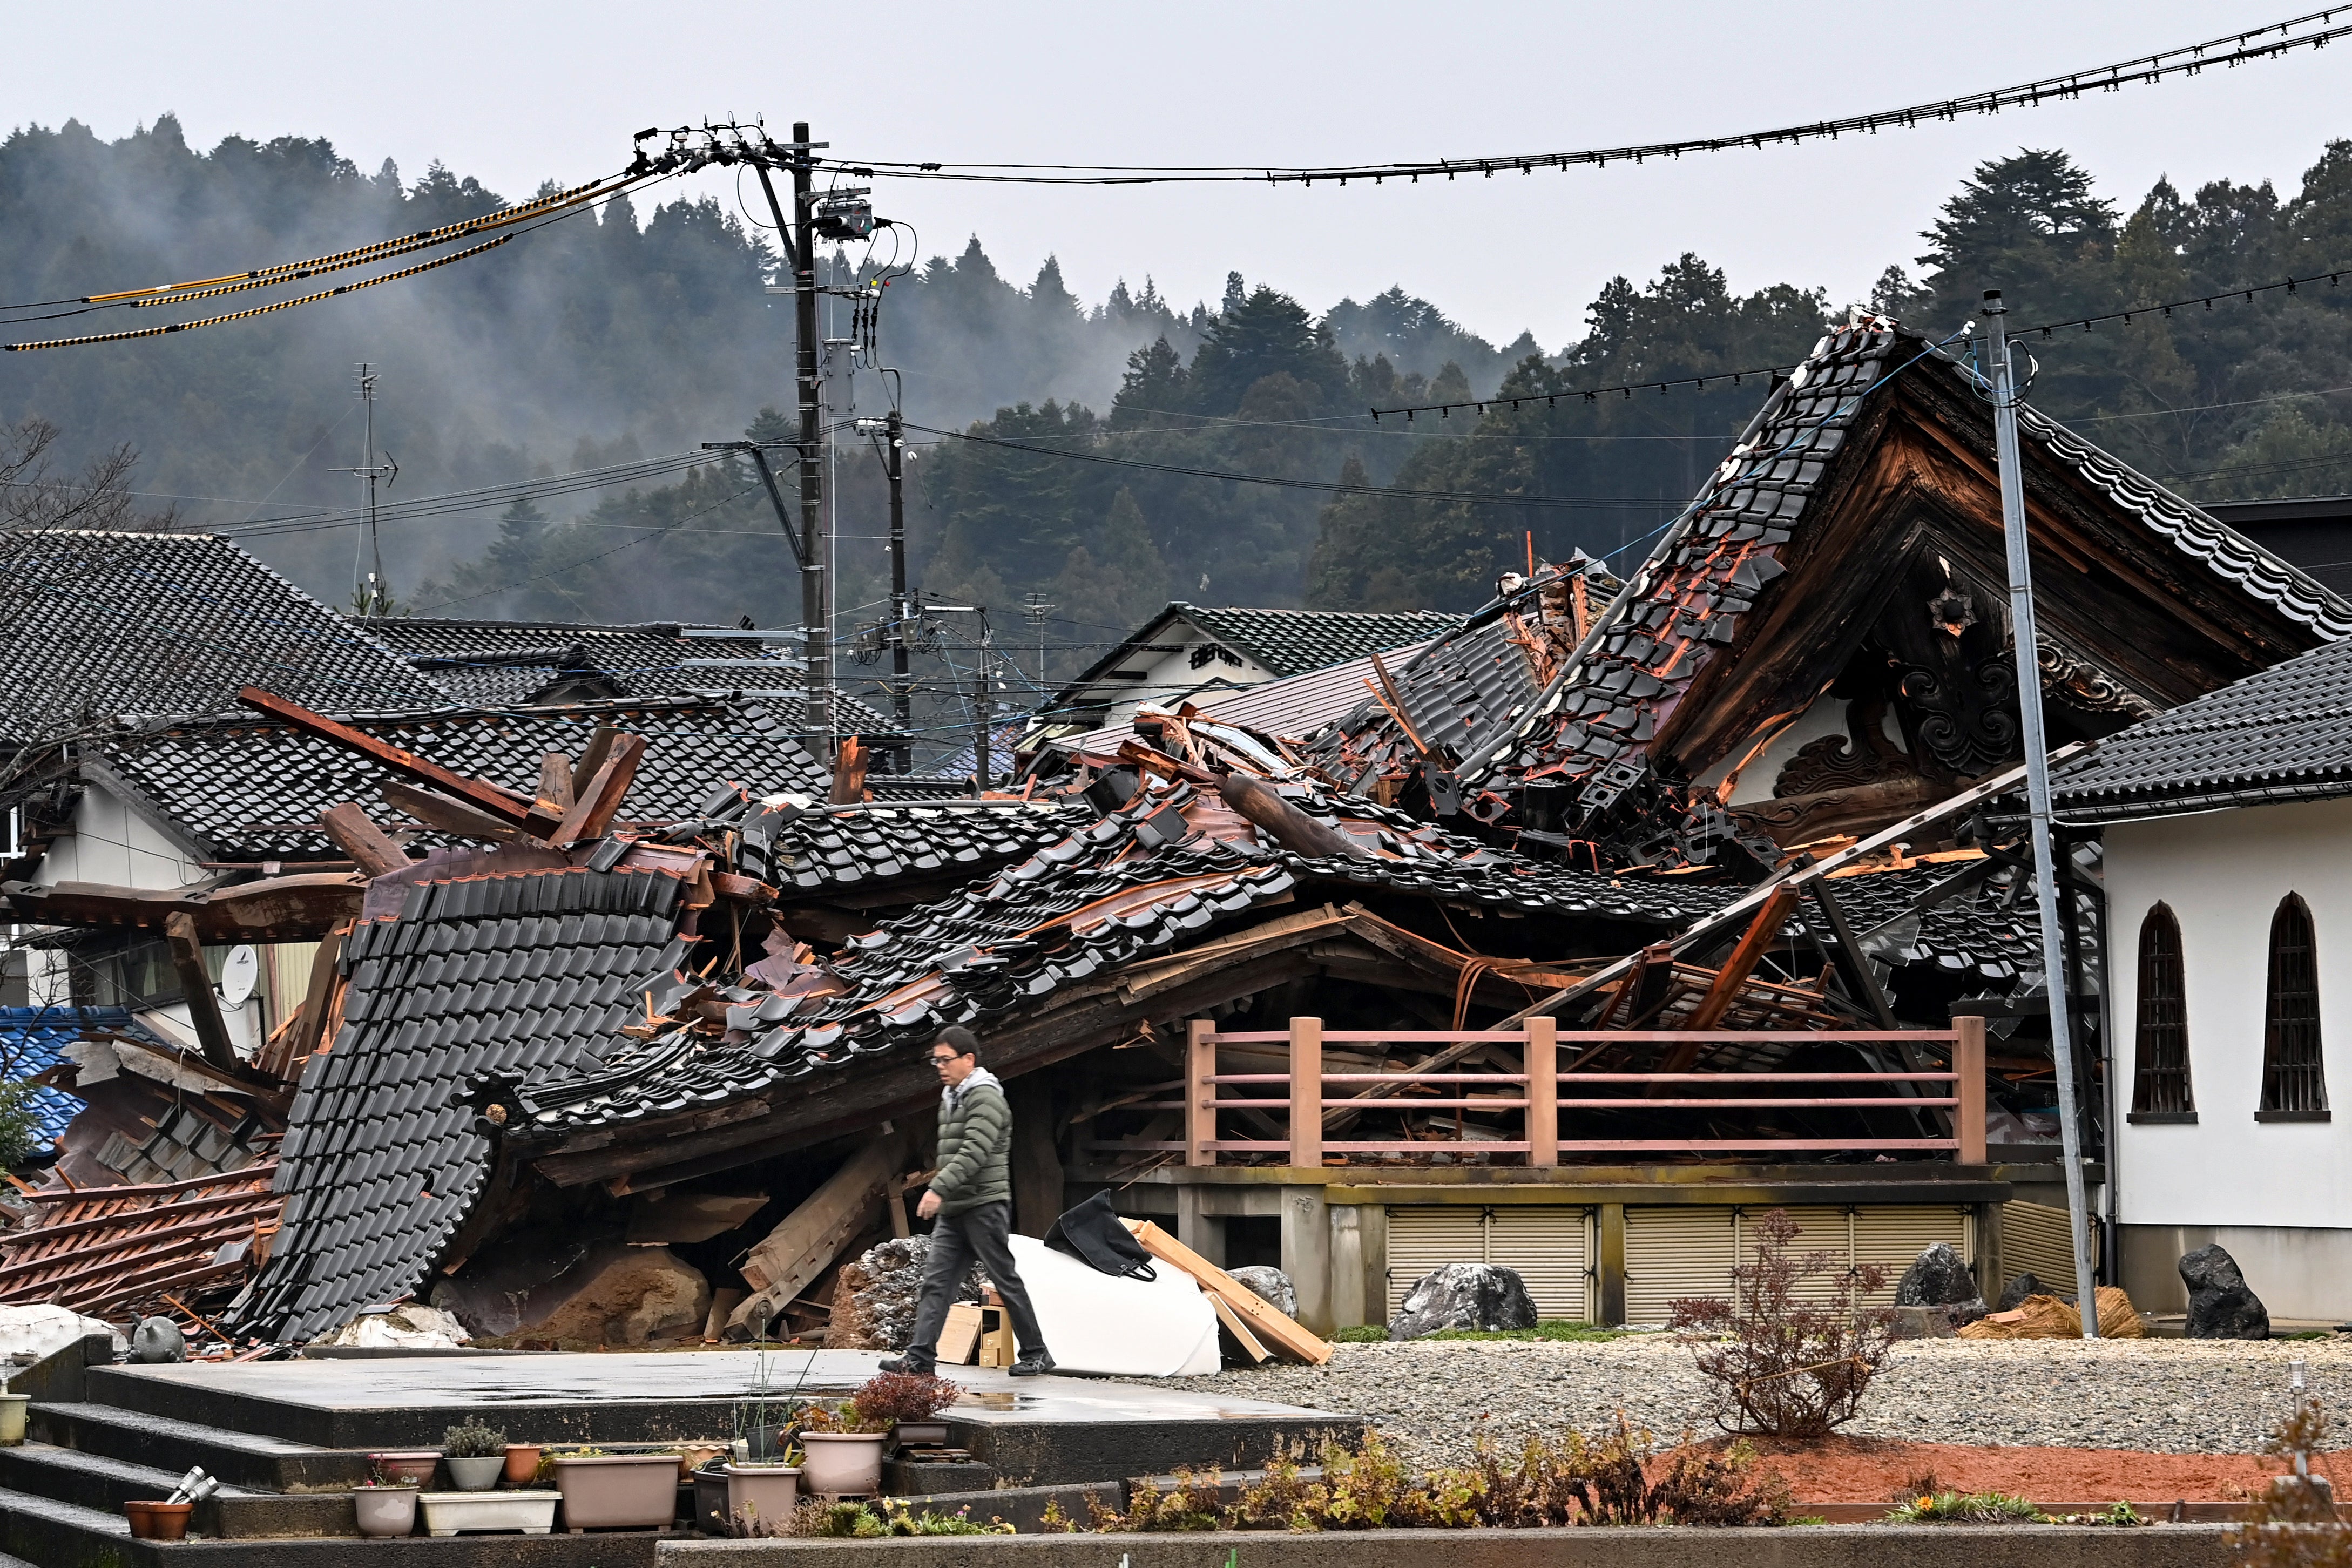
<point x="2160" y="1069"/>
<point x="2294" y="1083"/>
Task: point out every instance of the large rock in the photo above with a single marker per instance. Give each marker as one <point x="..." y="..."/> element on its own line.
<point x="876" y="1294"/>
<point x="609" y="1295"/>
<point x="1271" y="1286"/>
<point x="2020" y="1286"/>
<point x="1939" y="1278"/>
<point x="1464" y="1296"/>
<point x="2221" y="1304"/>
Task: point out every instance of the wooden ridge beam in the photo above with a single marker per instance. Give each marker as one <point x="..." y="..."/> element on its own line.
<point x="504" y="804"/>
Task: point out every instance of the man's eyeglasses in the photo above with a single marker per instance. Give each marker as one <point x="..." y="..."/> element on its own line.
<point x="939" y="1061"/>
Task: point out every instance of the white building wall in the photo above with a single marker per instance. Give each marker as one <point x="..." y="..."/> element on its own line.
<point x="111" y="843"/>
<point x="2223" y="873"/>
<point x="1169" y="677"/>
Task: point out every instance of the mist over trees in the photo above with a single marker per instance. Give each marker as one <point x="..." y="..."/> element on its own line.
<point x="642" y="329"/>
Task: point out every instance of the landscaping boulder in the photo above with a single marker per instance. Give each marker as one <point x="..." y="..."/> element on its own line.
<point x="2221" y="1305"/>
<point x="1464" y="1296"/>
<point x="1939" y="1278"/>
<point x="1271" y="1286"/>
<point x="2020" y="1286"/>
<point x="1923" y="1323"/>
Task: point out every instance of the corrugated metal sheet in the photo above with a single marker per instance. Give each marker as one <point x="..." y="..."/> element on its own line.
<point x="2038" y="1237"/>
<point x="1893" y="1235"/>
<point x="1550" y="1246"/>
<point x="1676" y="1251"/>
<point x="1421" y="1239"/>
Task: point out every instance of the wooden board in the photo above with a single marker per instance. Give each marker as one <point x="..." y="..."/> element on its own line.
<point x="809" y="1238"/>
<point x="960" y="1337"/>
<point x="1251" y="1346"/>
<point x="1271" y="1325"/>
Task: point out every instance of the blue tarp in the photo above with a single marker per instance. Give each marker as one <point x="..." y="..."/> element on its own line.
<point x="33" y="1039"/>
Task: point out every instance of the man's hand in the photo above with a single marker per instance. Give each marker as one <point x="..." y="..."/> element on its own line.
<point x="930" y="1207"/>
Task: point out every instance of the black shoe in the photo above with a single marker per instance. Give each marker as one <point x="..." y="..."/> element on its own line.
<point x="909" y="1364"/>
<point x="1036" y="1365"/>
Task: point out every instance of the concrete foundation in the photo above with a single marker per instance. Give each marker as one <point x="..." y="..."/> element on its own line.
<point x="2301" y="1273"/>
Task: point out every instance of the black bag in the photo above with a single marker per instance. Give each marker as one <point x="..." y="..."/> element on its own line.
<point x="1092" y="1233"/>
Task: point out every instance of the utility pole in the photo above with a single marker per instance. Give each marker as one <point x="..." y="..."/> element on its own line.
<point x="1033" y="605"/>
<point x="983" y="710"/>
<point x="902" y="682"/>
<point x="798" y="235"/>
<point x="369" y="595"/>
<point x="2037" y="792"/>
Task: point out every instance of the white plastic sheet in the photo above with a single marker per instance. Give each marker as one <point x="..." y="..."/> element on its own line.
<point x="1119" y="1326"/>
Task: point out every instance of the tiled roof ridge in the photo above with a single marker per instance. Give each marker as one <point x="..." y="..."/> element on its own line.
<point x="236" y="719"/>
<point x="1413" y="624"/>
<point x="598" y="629"/>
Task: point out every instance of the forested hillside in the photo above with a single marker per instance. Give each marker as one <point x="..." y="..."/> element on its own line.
<point x="641" y="330"/>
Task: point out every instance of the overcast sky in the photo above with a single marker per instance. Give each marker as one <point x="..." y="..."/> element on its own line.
<point x="516" y="93"/>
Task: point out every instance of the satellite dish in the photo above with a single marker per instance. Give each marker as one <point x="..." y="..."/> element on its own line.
<point x="239" y="973"/>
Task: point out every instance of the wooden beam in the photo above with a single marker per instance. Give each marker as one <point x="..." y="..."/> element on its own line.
<point x="1251" y="1346"/>
<point x="502" y="804"/>
<point x="362" y="839"/>
<point x="1969" y="1068"/>
<point x="804" y="1243"/>
<point x="1200" y="1094"/>
<point x="1306" y="1092"/>
<point x="1266" y="1321"/>
<point x="451" y="816"/>
<point x="593" y="808"/>
<point x="313" y="1017"/>
<point x="555" y="785"/>
<point x="600" y="746"/>
<point x="1283" y="821"/>
<point x="1761" y="934"/>
<point x="196" y="984"/>
<point x="849" y="773"/>
<point x="1541" y="1064"/>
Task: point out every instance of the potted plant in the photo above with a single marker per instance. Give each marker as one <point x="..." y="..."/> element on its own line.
<point x="909" y="1402"/>
<point x="12" y="1416"/>
<point x="415" y="1465"/>
<point x="447" y="1513"/>
<point x="522" y="1463"/>
<point x="846" y="1460"/>
<point x="475" y="1455"/>
<point x="385" y="1506"/>
<point x="769" y="1490"/>
<point x="617" y="1491"/>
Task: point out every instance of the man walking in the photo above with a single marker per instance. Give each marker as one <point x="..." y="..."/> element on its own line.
<point x="971" y="1205"/>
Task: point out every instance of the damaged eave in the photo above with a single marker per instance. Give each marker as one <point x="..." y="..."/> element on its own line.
<point x="303" y="907"/>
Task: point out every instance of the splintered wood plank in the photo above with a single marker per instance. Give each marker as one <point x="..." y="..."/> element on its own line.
<point x="362" y="839"/>
<point x="499" y="803"/>
<point x="1268" y="1322"/>
<point x="1251" y="1346"/>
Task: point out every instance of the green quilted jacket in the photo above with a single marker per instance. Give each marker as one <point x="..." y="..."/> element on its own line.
<point x="975" y="1145"/>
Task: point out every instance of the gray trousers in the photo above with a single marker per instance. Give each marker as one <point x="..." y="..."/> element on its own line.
<point x="958" y="1240"/>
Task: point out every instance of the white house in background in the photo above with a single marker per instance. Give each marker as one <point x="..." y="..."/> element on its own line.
<point x="2227" y="825"/>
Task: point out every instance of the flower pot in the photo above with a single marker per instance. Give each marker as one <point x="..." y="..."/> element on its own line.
<point x="417" y="1466"/>
<point x="447" y="1513"/>
<point x="476" y="1474"/>
<point x="920" y="1434"/>
<point x="710" y="1501"/>
<point x="12" y="1418"/>
<point x="763" y="1494"/>
<point x="618" y="1491"/>
<point x="385" y="1511"/>
<point x="842" y="1464"/>
<point x="157" y="1520"/>
<point x="523" y="1462"/>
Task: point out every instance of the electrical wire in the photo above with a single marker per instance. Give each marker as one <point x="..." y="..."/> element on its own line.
<point x="2047" y="329"/>
<point x="2230" y="49"/>
<point x="1467" y="498"/>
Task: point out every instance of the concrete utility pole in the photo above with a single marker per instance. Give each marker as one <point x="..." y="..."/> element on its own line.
<point x="901" y="611"/>
<point x="2037" y="790"/>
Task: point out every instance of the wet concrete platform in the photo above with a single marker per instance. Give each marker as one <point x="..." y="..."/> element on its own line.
<point x="1041" y="1431"/>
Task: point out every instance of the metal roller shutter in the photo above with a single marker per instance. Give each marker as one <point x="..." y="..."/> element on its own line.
<point x="1672" y="1252"/>
<point x="1821" y="1228"/>
<point x="1894" y="1235"/>
<point x="1552" y="1249"/>
<point x="2040" y="1238"/>
<point x="1421" y="1239"/>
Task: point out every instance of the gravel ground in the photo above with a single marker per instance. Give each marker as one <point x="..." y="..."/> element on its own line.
<point x="1433" y="1401"/>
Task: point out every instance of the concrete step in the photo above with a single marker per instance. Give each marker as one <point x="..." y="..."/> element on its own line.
<point x="90" y="1480"/>
<point x="49" y="1534"/>
<point x="243" y="1460"/>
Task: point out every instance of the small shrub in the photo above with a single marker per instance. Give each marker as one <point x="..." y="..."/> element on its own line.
<point x="889" y="1397"/>
<point x="1362" y="1334"/>
<point x="1970" y="1507"/>
<point x="873" y="1521"/>
<point x="2291" y="1526"/>
<point x="1552" y="1330"/>
<point x="20" y="1132"/>
<point x="1924" y="1484"/>
<point x="1781" y="1365"/>
<point x="473" y="1440"/>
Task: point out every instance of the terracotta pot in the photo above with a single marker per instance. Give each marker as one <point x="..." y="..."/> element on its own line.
<point x="384" y="1510"/>
<point x="618" y="1491"/>
<point x="765" y="1495"/>
<point x="478" y="1474"/>
<point x="842" y="1464"/>
<point x="157" y="1520"/>
<point x="416" y="1465"/>
<point x="523" y="1462"/>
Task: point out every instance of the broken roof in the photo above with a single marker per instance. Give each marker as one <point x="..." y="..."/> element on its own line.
<point x="483" y="975"/>
<point x="1286" y="642"/>
<point x="1875" y="450"/>
<point x="1294" y="707"/>
<point x="2283" y="734"/>
<point x="98" y="625"/>
<point x="246" y="788"/>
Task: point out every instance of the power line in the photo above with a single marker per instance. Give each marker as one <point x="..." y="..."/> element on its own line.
<point x="2047" y="330"/>
<point x="2230" y="49"/>
<point x="1471" y="498"/>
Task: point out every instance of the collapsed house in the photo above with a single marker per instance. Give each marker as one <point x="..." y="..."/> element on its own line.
<point x="1611" y="914"/>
